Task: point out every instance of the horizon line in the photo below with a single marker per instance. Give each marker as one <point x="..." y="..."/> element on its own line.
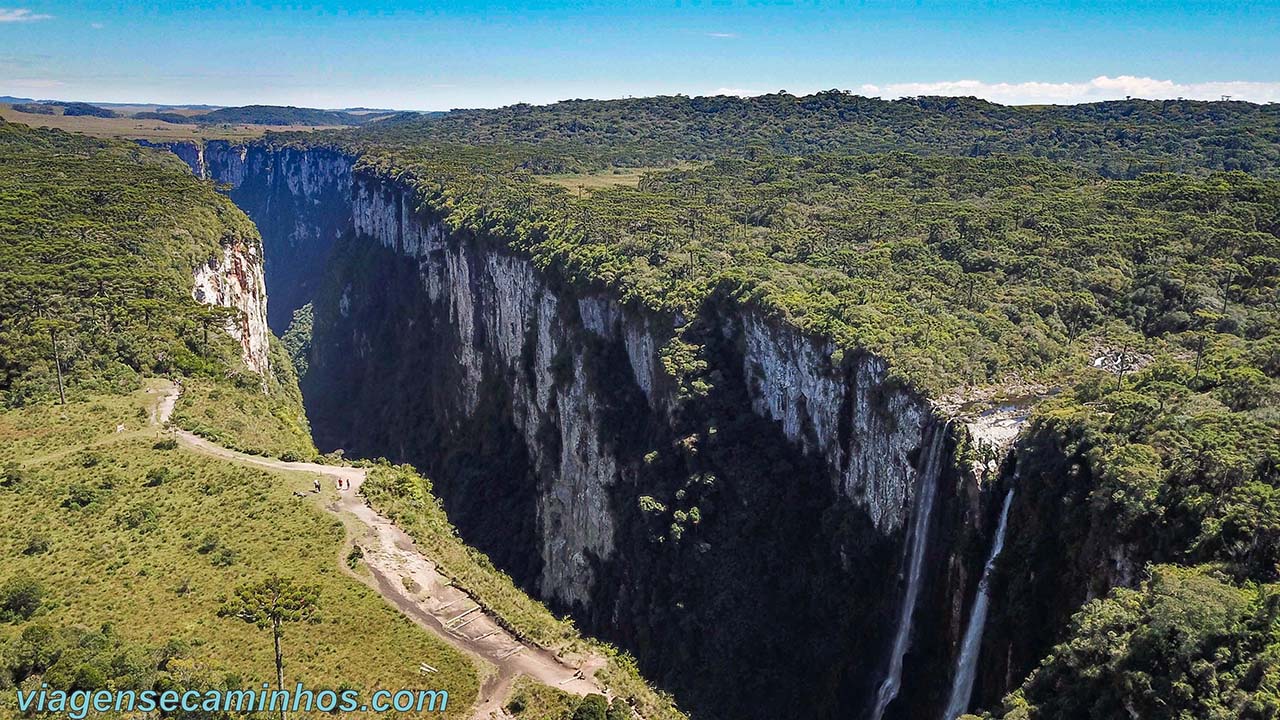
<point x="1225" y="99"/>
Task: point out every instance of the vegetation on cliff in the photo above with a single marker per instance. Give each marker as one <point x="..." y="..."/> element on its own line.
<point x="234" y="413"/>
<point x="1185" y="461"/>
<point x="960" y="272"/>
<point x="1187" y="643"/>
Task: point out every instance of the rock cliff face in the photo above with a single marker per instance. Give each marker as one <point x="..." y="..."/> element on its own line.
<point x="235" y="279"/>
<point x="864" y="431"/>
<point x="756" y="532"/>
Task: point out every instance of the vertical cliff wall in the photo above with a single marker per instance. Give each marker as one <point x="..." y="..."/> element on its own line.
<point x="749" y="546"/>
<point x="235" y="279"/>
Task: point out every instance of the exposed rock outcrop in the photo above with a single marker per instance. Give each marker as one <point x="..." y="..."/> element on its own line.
<point x="235" y="279"/>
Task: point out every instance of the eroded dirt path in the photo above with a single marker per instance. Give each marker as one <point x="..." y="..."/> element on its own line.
<point x="411" y="582"/>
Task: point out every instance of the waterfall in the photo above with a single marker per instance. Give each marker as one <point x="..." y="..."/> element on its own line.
<point x="967" y="663"/>
<point x="930" y="469"/>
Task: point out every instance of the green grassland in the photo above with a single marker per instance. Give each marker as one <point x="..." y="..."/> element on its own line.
<point x="586" y="182"/>
<point x="119" y="530"/>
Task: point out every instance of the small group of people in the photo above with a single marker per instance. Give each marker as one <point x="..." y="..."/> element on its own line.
<point x="342" y="483"/>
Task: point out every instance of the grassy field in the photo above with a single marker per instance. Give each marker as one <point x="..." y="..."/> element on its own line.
<point x="156" y="130"/>
<point x="120" y="528"/>
<point x="590" y="182"/>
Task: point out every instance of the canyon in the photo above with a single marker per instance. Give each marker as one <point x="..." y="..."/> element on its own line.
<point x="806" y="523"/>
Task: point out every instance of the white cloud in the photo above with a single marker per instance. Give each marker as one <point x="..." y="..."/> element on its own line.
<point x="96" y="26"/>
<point x="740" y="92"/>
<point x="17" y="15"/>
<point x="1099" y="88"/>
<point x="721" y="35"/>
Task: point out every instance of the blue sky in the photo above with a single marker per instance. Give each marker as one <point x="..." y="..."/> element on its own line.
<point x="441" y="55"/>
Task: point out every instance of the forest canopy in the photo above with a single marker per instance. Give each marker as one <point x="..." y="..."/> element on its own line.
<point x="1118" y="139"/>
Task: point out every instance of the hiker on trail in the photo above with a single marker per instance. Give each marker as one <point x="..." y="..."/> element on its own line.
<point x="317" y="484"/>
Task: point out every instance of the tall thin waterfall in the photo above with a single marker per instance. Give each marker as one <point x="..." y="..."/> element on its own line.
<point x="930" y="469"/>
<point x="967" y="663"/>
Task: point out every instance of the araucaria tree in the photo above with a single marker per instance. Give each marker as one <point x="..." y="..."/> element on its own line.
<point x="270" y="604"/>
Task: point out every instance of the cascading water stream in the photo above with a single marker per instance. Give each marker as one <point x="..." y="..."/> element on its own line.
<point x="967" y="663"/>
<point x="930" y="469"/>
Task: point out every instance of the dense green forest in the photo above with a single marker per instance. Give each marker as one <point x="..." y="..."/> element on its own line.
<point x="1116" y="139"/>
<point x="1175" y="463"/>
<point x="87" y="110"/>
<point x="962" y="272"/>
<point x="35" y="108"/>
<point x="99" y="239"/>
<point x="1187" y="643"/>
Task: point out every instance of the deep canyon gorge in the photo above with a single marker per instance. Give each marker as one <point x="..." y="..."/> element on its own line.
<point x="805" y="538"/>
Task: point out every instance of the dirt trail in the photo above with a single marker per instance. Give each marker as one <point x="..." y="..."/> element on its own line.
<point x="409" y="581"/>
